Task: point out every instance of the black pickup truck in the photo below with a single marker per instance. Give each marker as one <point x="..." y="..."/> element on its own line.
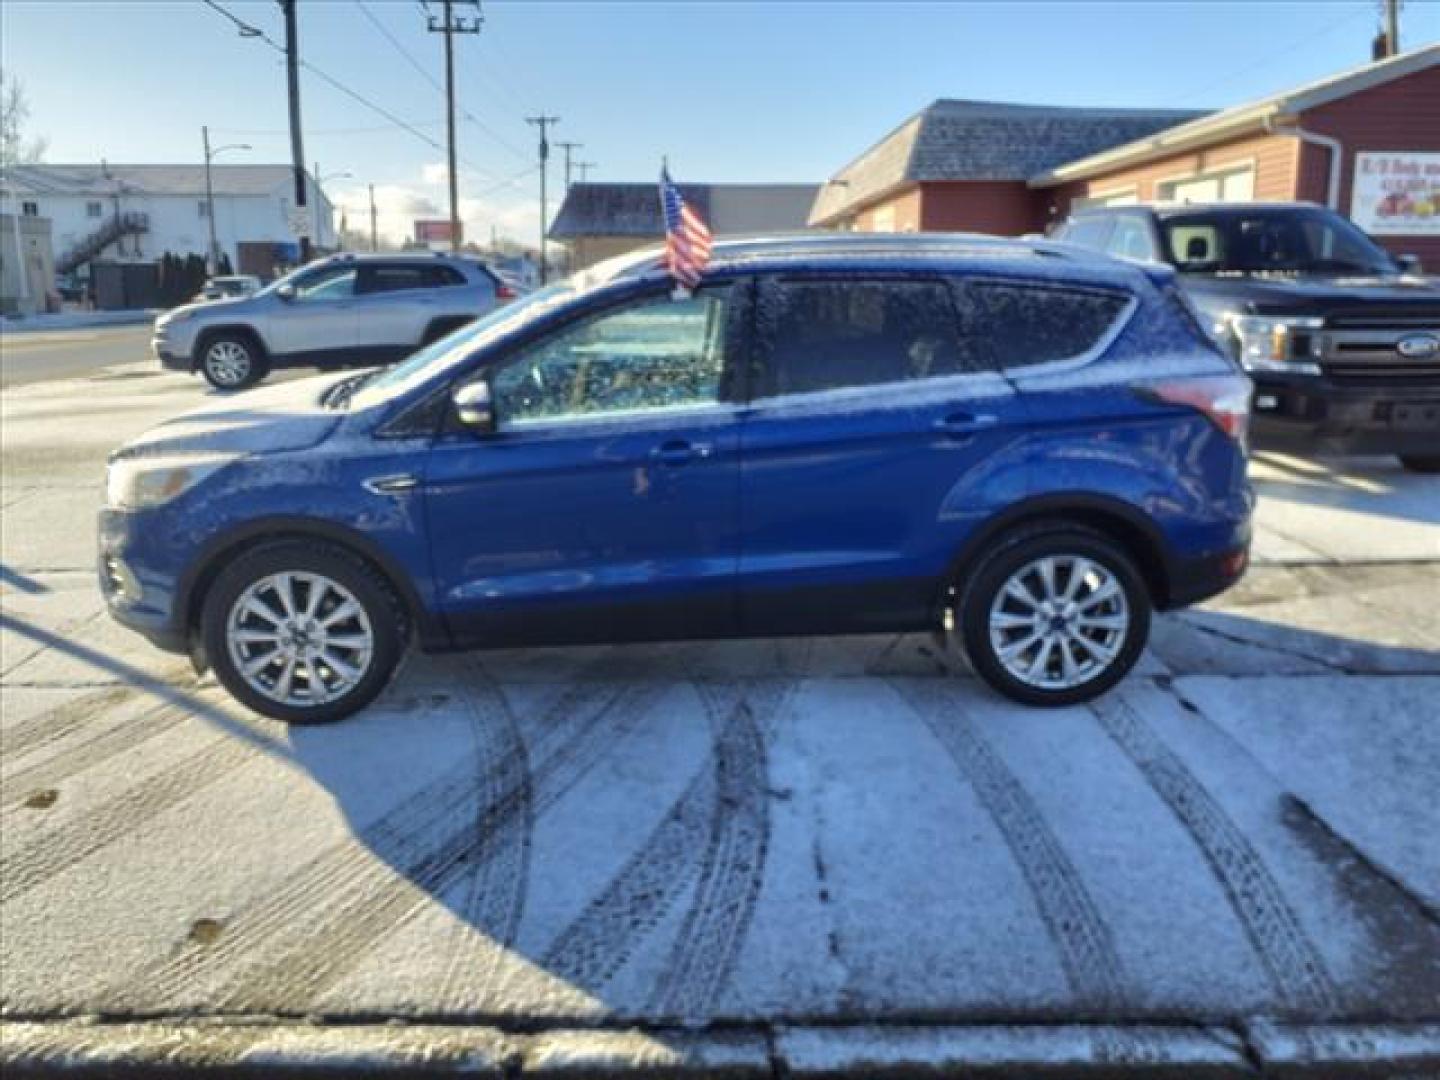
<point x="1341" y="339"/>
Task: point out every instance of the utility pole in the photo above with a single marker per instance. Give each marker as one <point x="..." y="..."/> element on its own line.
<point x="450" y="26"/>
<point x="1392" y="27"/>
<point x="543" y="123"/>
<point x="297" y="142"/>
<point x="212" y="253"/>
<point x="584" y="167"/>
<point x="568" y="147"/>
<point x="374" y="236"/>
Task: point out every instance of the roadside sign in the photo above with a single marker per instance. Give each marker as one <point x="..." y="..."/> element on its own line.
<point x="300" y="220"/>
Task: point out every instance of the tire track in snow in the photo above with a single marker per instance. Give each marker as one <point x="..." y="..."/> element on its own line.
<point x="53" y="851"/>
<point x="124" y="736"/>
<point x="732" y="871"/>
<point x="498" y="870"/>
<point x="55" y="723"/>
<point x="400" y="837"/>
<point x="424" y="851"/>
<point x="1081" y="937"/>
<point x="1293" y="964"/>
<point x="714" y="838"/>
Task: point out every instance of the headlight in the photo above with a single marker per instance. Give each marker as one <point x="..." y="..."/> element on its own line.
<point x="1277" y="344"/>
<point x="140" y="483"/>
<point x="178" y="315"/>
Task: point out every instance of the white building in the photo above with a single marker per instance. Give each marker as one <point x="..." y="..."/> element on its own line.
<point x="138" y="213"/>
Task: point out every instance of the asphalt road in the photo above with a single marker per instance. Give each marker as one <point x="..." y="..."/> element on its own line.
<point x="43" y="355"/>
<point x="839" y="848"/>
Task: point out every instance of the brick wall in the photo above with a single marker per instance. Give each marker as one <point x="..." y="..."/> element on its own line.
<point x="1004" y="208"/>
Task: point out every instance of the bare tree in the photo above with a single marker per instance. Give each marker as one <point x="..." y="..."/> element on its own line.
<point x="15" y="148"/>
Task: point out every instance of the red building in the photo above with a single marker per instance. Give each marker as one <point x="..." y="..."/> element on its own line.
<point x="1365" y="142"/>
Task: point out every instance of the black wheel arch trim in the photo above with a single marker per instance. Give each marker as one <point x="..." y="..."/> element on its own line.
<point x="430" y="631"/>
<point x="1139" y="535"/>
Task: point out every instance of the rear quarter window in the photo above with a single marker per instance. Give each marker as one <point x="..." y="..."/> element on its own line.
<point x="1017" y="324"/>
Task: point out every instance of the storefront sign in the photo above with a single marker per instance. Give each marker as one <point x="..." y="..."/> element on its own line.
<point x="1397" y="193"/>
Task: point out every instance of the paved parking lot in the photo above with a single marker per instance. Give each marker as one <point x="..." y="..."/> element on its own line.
<point x="821" y="853"/>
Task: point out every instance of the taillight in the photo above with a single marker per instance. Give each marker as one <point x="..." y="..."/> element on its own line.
<point x="504" y="292"/>
<point x="1223" y="399"/>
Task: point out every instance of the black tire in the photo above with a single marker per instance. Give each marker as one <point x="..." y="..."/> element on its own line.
<point x="382" y="610"/>
<point x="1009" y="555"/>
<point x="231" y="360"/>
<point x="1421" y="463"/>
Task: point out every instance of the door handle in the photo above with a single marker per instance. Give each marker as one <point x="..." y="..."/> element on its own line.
<point x="966" y="423"/>
<point x="679" y="451"/>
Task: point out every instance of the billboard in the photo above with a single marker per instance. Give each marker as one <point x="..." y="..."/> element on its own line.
<point x="1396" y="193"/>
<point x="432" y="231"/>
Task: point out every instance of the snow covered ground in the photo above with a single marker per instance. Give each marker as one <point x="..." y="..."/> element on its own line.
<point x="848" y="844"/>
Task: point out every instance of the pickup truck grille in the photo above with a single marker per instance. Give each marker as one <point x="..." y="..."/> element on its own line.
<point x="1359" y="348"/>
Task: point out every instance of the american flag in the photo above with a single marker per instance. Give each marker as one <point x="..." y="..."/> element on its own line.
<point x="687" y="239"/>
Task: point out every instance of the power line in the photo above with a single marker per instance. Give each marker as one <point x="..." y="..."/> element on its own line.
<point x="246" y="30"/>
<point x="1290" y="46"/>
<point x="429" y="78"/>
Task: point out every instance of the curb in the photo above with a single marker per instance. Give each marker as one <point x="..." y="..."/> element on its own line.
<point x="198" y="1048"/>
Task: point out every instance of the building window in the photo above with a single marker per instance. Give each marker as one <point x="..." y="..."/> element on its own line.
<point x="1220" y="185"/>
<point x="94" y="209"/>
<point x="30" y="209"/>
<point x="203" y="207"/>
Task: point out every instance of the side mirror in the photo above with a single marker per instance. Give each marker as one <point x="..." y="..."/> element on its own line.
<point x="473" y="406"/>
<point x="286" y="292"/>
<point x="1409" y="264"/>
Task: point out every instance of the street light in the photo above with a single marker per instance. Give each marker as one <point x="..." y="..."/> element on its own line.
<point x="212" y="259"/>
<point x="320" y="192"/>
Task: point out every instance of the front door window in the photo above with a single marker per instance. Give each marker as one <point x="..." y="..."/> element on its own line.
<point x="657" y="354"/>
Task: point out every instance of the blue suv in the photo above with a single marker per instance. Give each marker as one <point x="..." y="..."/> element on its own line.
<point x="1025" y="444"/>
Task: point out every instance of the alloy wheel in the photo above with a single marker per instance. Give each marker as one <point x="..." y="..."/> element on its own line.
<point x="1059" y="622"/>
<point x="228" y="363"/>
<point x="299" y="638"/>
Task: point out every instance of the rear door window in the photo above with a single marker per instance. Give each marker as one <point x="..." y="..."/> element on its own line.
<point x="1006" y="324"/>
<point x="393" y="277"/>
<point x="828" y="335"/>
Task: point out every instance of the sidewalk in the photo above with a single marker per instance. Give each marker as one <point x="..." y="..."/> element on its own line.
<point x="75" y="320"/>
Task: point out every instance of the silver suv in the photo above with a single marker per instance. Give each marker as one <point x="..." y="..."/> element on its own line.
<point x="344" y="311"/>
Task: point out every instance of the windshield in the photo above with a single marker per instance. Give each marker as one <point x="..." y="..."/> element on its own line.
<point x="1271" y="241"/>
<point x="454" y="348"/>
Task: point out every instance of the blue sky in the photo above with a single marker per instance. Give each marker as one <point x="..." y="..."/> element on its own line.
<point x="730" y="90"/>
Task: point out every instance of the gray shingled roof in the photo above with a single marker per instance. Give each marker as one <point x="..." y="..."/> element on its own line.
<point x="603" y="209"/>
<point x="985" y="140"/>
<point x="146" y="179"/>
<point x="620" y="209"/>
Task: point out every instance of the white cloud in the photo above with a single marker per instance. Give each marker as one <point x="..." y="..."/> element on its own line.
<point x="513" y="214"/>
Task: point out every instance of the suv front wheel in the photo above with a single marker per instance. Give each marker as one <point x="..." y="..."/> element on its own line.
<point x="232" y="362"/>
<point x="1054" y="615"/>
<point x="302" y="632"/>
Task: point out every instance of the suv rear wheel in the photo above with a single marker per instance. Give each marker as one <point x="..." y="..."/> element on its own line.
<point x="1054" y="615"/>
<point x="1422" y="463"/>
<point x="232" y="362"/>
<point x="302" y="632"/>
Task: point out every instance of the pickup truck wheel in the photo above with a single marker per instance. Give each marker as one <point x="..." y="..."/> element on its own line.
<point x="1421" y="463"/>
<point x="231" y="362"/>
<point x="1055" y="616"/>
<point x="302" y="632"/>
